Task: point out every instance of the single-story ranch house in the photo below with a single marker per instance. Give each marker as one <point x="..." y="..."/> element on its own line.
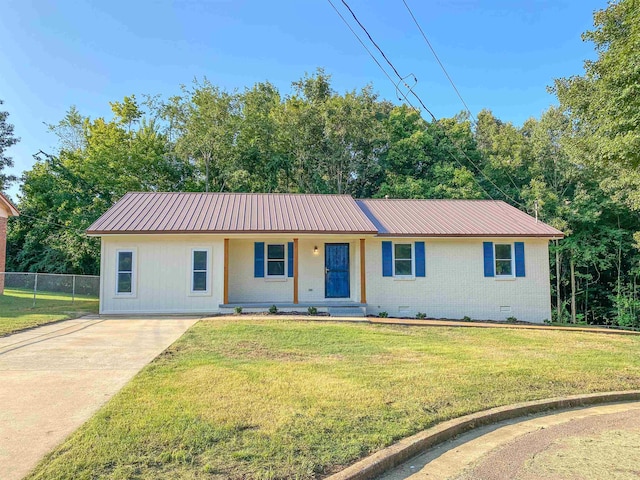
<point x="211" y="252"/>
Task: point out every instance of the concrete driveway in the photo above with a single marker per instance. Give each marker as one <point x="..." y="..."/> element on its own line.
<point x="53" y="378"/>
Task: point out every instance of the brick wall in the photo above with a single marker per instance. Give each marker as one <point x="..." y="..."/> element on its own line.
<point x="3" y="250"/>
<point x="455" y="285"/>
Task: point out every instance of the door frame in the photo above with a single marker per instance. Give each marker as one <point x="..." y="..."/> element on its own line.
<point x="348" y="269"/>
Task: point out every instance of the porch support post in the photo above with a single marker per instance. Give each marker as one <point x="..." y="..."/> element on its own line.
<point x="295" y="270"/>
<point x="226" y="271"/>
<point x="363" y="275"/>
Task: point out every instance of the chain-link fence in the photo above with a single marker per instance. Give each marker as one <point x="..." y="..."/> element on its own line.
<point x="71" y="286"/>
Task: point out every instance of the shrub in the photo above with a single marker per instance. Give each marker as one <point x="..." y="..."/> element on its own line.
<point x="512" y="319"/>
<point x="547" y="321"/>
<point x="273" y="309"/>
<point x="466" y="318"/>
<point x="383" y="315"/>
<point x="312" y="311"/>
<point x="238" y="310"/>
<point x="421" y="316"/>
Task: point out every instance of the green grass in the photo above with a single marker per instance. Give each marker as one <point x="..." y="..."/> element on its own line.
<point x="17" y="311"/>
<point x="280" y="399"/>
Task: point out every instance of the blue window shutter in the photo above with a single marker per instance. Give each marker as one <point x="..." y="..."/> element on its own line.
<point x="420" y="260"/>
<point x="488" y="259"/>
<point x="258" y="259"/>
<point x="290" y="255"/>
<point x="519" y="248"/>
<point x="387" y="261"/>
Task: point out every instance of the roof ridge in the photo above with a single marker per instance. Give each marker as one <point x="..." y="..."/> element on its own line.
<point x="430" y="200"/>
<point x="243" y="193"/>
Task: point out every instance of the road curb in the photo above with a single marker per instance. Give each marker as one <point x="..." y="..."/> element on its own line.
<point x="392" y="456"/>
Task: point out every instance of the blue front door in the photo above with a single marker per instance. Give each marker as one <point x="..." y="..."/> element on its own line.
<point x="336" y="276"/>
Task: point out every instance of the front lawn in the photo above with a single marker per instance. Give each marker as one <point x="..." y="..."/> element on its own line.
<point x="272" y="399"/>
<point x="17" y="311"/>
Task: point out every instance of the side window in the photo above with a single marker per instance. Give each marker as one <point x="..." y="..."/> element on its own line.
<point x="199" y="271"/>
<point x="275" y="260"/>
<point x="124" y="274"/>
<point x="402" y="259"/>
<point x="504" y="260"/>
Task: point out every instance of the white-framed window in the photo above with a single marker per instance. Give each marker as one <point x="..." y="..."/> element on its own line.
<point x="276" y="260"/>
<point x="200" y="278"/>
<point x="504" y="259"/>
<point x="125" y="272"/>
<point x="403" y="260"/>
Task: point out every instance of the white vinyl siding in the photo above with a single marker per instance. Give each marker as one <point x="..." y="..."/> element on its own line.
<point x="456" y="287"/>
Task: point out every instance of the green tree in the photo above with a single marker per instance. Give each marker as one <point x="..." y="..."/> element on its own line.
<point x="205" y="118"/>
<point x="604" y="103"/>
<point x="98" y="162"/>
<point x="332" y="142"/>
<point x="261" y="166"/>
<point x="7" y="140"/>
<point x="429" y="159"/>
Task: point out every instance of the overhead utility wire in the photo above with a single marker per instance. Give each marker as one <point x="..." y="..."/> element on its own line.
<point x="401" y="80"/>
<point x="396" y="84"/>
<point x="386" y="59"/>
<point x="471" y="116"/>
<point x="438" y="60"/>
<point x="435" y="120"/>
<point x="371" y="55"/>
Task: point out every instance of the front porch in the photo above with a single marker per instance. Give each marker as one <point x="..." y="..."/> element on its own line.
<point x="295" y="273"/>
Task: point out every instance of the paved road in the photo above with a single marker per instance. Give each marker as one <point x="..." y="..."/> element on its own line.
<point x="595" y="443"/>
<point x="53" y="378"/>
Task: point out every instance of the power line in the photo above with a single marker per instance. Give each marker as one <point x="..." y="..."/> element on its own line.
<point x="435" y="120"/>
<point x="402" y="79"/>
<point x="371" y="54"/>
<point x="471" y="116"/>
<point x="50" y="222"/>
<point x="395" y="84"/>
<point x="438" y="60"/>
<point x="385" y="57"/>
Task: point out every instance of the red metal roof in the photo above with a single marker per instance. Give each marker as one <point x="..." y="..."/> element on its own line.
<point x="233" y="213"/>
<point x="301" y="213"/>
<point x="453" y="218"/>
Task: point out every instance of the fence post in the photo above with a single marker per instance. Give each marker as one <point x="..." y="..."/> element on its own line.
<point x="35" y="289"/>
<point x="73" y="292"/>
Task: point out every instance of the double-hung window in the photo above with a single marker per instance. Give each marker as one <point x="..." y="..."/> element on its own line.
<point x="124" y="274"/>
<point x="276" y="260"/>
<point x="199" y="271"/>
<point x="403" y="259"/>
<point x="504" y="259"/>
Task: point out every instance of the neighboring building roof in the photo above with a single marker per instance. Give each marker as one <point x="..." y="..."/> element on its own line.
<point x="233" y="213"/>
<point x="8" y="205"/>
<point x="453" y="218"/>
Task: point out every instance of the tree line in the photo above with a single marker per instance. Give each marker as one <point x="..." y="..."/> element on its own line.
<point x="575" y="167"/>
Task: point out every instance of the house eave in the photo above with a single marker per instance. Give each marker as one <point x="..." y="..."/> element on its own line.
<point x="472" y="235"/>
<point x="232" y="233"/>
<point x="4" y="200"/>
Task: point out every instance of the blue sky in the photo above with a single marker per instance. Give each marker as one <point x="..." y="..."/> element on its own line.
<point x="502" y="54"/>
